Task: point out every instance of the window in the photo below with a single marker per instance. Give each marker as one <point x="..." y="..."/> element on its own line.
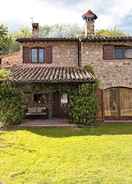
<point x="119" y="53"/>
<point x="64" y="99"/>
<point x="64" y="105"/>
<point x="116" y="52"/>
<point x="38" y="55"/>
<point x="123" y="53"/>
<point x="34" y="56"/>
<point x="41" y="55"/>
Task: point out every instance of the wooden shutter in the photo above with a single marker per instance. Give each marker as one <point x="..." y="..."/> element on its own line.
<point x="108" y="52"/>
<point x="26" y="55"/>
<point x="48" y="55"/>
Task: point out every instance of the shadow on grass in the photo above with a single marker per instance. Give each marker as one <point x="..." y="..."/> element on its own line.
<point x="112" y="129"/>
<point x="103" y="129"/>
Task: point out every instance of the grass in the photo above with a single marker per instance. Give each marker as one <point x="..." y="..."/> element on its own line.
<point x="101" y="155"/>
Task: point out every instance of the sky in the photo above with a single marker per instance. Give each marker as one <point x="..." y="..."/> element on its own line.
<point x="111" y="13"/>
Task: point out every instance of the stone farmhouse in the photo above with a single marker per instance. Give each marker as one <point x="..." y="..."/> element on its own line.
<point x="61" y="61"/>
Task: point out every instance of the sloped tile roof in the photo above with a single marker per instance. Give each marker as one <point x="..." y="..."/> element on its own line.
<point x="49" y="73"/>
<point x="42" y="39"/>
<point x="97" y="38"/>
<point x="91" y="38"/>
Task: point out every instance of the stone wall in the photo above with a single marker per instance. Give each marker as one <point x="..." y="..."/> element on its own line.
<point x="63" y="53"/>
<point x="110" y="73"/>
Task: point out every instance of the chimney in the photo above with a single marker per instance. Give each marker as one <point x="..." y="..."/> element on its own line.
<point x="89" y="18"/>
<point x="35" y="30"/>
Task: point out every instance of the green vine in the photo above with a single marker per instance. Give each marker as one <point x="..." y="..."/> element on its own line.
<point x="83" y="105"/>
<point x="11" y="107"/>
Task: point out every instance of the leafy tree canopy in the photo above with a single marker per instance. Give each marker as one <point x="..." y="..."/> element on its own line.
<point x="61" y="30"/>
<point x="4" y="39"/>
<point x="8" y="39"/>
<point x="23" y="32"/>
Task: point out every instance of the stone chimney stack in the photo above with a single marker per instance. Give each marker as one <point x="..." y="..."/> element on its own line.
<point x="35" y="30"/>
<point x="89" y="18"/>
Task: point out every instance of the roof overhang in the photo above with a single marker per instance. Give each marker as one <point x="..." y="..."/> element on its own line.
<point x="39" y="39"/>
<point x="40" y="73"/>
<point x="92" y="38"/>
<point x="96" y="38"/>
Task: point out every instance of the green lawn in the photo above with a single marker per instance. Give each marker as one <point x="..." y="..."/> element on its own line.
<point x="101" y="155"/>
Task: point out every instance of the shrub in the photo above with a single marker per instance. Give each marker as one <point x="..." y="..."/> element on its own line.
<point x="90" y="69"/>
<point x="4" y="74"/>
<point x="11" y="108"/>
<point x="83" y="105"/>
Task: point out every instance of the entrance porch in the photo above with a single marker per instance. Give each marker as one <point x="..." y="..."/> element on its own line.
<point x="45" y="88"/>
<point x="47" y="105"/>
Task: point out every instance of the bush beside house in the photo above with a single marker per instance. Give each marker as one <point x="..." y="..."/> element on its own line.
<point x="83" y="105"/>
<point x="4" y="74"/>
<point x="11" y="107"/>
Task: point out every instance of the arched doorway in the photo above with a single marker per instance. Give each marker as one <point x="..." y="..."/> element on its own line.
<point x="117" y="103"/>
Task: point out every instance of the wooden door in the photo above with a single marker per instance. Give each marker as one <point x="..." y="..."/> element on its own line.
<point x="60" y="105"/>
<point x="111" y="103"/>
<point x="117" y="103"/>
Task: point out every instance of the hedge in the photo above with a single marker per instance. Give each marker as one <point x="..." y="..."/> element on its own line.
<point x="11" y="107"/>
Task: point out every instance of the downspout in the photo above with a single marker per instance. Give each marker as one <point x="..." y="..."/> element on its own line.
<point x="79" y="52"/>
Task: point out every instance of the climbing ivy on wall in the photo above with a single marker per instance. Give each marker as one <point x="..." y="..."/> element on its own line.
<point x="83" y="104"/>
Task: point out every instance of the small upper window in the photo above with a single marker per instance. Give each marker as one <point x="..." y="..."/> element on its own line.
<point x="38" y="55"/>
<point x="116" y="52"/>
<point x="123" y="53"/>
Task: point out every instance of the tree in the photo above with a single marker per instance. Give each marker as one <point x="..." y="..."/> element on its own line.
<point x="4" y="39"/>
<point x="23" y="32"/>
<point x="63" y="30"/>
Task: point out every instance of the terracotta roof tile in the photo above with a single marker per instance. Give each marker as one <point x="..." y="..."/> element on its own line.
<point x="42" y="39"/>
<point x="49" y="73"/>
<point x="91" y="38"/>
<point x="96" y="38"/>
<point x="89" y="14"/>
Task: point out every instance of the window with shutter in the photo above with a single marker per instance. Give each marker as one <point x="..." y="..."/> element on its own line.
<point x="108" y="52"/>
<point x="37" y="55"/>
